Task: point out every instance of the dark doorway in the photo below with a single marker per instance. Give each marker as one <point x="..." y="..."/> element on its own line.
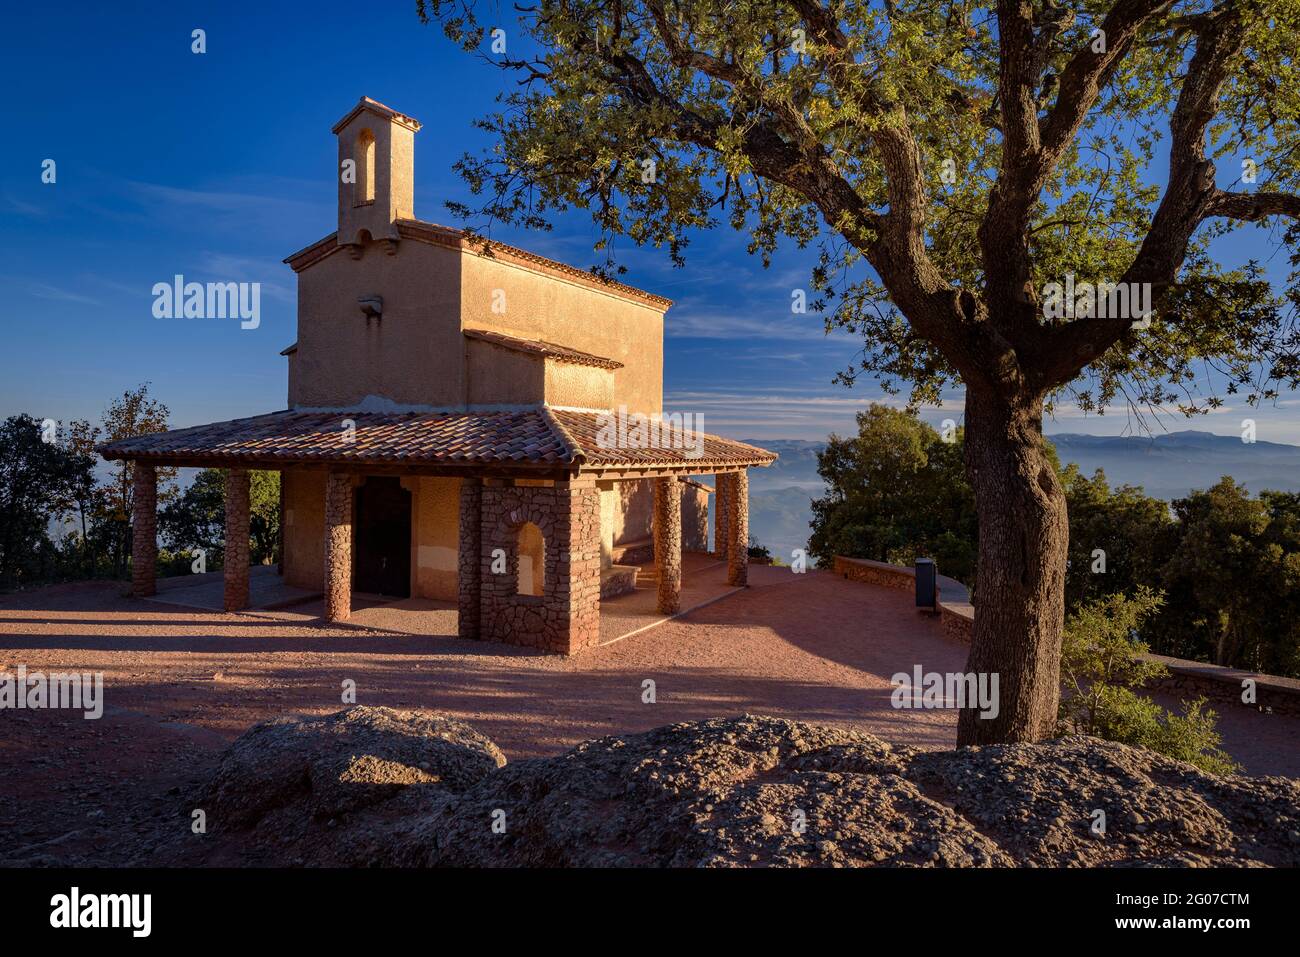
<point x="383" y="530"/>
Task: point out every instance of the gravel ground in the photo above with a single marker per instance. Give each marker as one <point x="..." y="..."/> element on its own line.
<point x="181" y="684"/>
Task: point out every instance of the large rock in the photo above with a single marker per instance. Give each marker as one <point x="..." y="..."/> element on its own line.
<point x="727" y="792"/>
<point x="399" y="788"/>
<point x="355" y="772"/>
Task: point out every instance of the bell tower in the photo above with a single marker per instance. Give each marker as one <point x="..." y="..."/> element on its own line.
<point x="376" y="174"/>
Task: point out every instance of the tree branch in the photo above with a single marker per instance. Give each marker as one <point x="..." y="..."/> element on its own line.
<point x="1252" y="207"/>
<point x="1031" y="151"/>
<point x="1189" y="199"/>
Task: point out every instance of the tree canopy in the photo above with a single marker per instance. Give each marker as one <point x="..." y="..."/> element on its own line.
<point x="970" y="154"/>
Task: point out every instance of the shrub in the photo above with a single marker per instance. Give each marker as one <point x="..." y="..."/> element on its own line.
<point x="1102" y="665"/>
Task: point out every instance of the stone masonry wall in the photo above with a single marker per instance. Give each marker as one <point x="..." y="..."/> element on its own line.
<point x="338" y="547"/>
<point x="1185" y="679"/>
<point x="721" y="489"/>
<point x="144" y="530"/>
<point x="469" y="550"/>
<point x="237" y="545"/>
<point x="566" y="616"/>
<point x="737" y="506"/>
<point x="668" y="544"/>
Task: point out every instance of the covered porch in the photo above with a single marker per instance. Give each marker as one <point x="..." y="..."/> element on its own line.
<point x="531" y="540"/>
<point x="704" y="581"/>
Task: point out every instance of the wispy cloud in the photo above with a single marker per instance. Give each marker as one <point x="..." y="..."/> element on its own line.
<point x="44" y="291"/>
<point x="225" y="267"/>
<point x="789" y="413"/>
<point x="23" y="207"/>
<point x="745" y="324"/>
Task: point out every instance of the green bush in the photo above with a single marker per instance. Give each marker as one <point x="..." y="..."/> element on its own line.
<point x="1102" y="665"/>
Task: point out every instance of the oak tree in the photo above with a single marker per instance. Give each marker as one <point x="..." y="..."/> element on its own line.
<point x="958" y="164"/>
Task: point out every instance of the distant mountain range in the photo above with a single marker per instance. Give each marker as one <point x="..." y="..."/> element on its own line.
<point x="1166" y="466"/>
<point x="780" y="495"/>
<point x="1169" y="466"/>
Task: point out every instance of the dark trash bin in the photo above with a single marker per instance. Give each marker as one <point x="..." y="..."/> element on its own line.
<point x="927" y="582"/>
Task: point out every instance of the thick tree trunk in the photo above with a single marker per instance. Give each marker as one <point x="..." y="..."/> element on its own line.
<point x="1020" y="589"/>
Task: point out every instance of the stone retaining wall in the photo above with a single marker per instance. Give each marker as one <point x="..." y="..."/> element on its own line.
<point x="875" y="573"/>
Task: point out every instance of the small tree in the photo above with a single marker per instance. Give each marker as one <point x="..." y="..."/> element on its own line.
<point x="1119" y="538"/>
<point x="895" y="491"/>
<point x="135" y="412"/>
<point x="1222" y="560"/>
<point x="1102" y="668"/>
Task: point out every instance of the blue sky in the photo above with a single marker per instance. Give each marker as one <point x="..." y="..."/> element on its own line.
<point x="217" y="166"/>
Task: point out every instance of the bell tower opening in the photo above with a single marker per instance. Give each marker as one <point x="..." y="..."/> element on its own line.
<point x="365" y="172"/>
<point x="378" y="144"/>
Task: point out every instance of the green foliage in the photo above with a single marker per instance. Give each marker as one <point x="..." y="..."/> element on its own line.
<point x="108" y="505"/>
<point x="1102" y="668"/>
<point x="37" y="478"/>
<point x="895" y="492"/>
<point x="1131" y="529"/>
<point x="59" y="521"/>
<point x="760" y="553"/>
<point x="1235" y="574"/>
<point x="197" y="518"/>
<point x="1228" y="564"/>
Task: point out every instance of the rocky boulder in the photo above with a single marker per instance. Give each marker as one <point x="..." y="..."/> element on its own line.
<point x="285" y="783"/>
<point x="411" y="789"/>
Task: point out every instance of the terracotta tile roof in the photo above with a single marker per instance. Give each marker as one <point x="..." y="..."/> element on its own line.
<point x="374" y="106"/>
<point x="540" y="348"/>
<point x="387" y="438"/>
<point x="558" y="439"/>
<point x="604" y="447"/>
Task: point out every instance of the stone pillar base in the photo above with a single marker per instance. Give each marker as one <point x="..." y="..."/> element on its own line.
<point x="668" y="544"/>
<point x="144" y="530"/>
<point x="737" y="527"/>
<point x="237" y="557"/>
<point x="470" y="547"/>
<point x="338" y="547"/>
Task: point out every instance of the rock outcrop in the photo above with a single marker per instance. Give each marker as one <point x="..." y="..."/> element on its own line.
<point x="372" y="786"/>
<point x="324" y="790"/>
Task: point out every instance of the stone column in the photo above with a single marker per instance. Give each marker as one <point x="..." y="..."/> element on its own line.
<point x="720" y="489"/>
<point x="236" y="562"/>
<point x="738" y="528"/>
<point x="468" y="565"/>
<point x="338" y="546"/>
<point x="144" y="529"/>
<point x="571" y="596"/>
<point x="279" y="532"/>
<point x="668" y="544"/>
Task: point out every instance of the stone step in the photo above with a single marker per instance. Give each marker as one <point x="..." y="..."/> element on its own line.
<point x="639" y="552"/>
<point x="619" y="580"/>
